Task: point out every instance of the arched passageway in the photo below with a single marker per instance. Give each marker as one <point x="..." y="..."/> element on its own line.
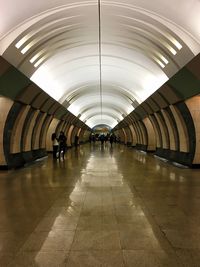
<point x="70" y="66"/>
<point x="131" y="65"/>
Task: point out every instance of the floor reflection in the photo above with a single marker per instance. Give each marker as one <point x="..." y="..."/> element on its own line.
<point x="101" y="206"/>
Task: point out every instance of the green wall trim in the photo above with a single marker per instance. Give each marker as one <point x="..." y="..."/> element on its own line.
<point x="12" y="82"/>
<point x="60" y="112"/>
<point x="185" y="83"/>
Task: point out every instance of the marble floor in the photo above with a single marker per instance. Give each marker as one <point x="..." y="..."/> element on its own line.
<point x="100" y="207"/>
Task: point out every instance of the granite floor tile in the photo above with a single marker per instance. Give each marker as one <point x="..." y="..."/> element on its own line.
<point x="95" y="258"/>
<point x="57" y="223"/>
<point x="40" y="259"/>
<point x="55" y="240"/>
<point x="99" y="210"/>
<point x="189" y="257"/>
<point x="183" y="239"/>
<point x="96" y="240"/>
<point x="148" y="258"/>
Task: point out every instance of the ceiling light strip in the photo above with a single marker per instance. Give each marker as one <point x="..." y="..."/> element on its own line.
<point x="100" y="58"/>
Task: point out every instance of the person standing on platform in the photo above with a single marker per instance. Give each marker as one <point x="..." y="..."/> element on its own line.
<point x="111" y="139"/>
<point x="62" y="145"/>
<point x="76" y="141"/>
<point x="102" y="139"/>
<point x="55" y="145"/>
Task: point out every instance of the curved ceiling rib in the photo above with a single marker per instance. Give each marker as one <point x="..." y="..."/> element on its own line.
<point x="57" y="46"/>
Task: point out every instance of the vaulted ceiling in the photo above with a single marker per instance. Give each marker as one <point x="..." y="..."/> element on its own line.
<point x="99" y="59"/>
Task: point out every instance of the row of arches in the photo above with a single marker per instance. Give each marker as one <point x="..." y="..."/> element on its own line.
<point x="167" y="123"/>
<point x="28" y="117"/>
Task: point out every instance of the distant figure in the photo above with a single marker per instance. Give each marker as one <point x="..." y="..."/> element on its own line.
<point x="90" y="138"/>
<point x="55" y="145"/>
<point x="106" y="138"/>
<point x="76" y="141"/>
<point x="93" y="138"/>
<point x="62" y="144"/>
<point x="111" y="139"/>
<point x="102" y="139"/>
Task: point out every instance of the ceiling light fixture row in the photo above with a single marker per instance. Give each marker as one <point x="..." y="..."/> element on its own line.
<point x="100" y="58"/>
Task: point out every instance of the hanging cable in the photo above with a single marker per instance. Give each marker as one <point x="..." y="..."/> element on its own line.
<point x="100" y="58"/>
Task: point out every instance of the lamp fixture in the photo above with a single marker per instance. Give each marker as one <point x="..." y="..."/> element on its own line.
<point x="100" y="58"/>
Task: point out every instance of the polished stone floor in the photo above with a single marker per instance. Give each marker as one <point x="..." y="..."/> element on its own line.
<point x="100" y="207"/>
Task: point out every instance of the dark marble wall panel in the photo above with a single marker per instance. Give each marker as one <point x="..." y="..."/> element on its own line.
<point x="133" y="133"/>
<point x="144" y="133"/>
<point x="184" y="111"/>
<point x="181" y="128"/>
<point x="47" y="105"/>
<point x="157" y="130"/>
<point x="29" y="93"/>
<point x="69" y="144"/>
<point x="74" y="133"/>
<point x="163" y="130"/>
<point x="5" y="107"/>
<point x="185" y="84"/>
<point x="53" y="109"/>
<point x="147" y="107"/>
<point x="40" y="100"/>
<point x="12" y="82"/>
<point x="4" y="66"/>
<point x="140" y="137"/>
<point x="13" y="160"/>
<point x="17" y="130"/>
<point x="152" y="104"/>
<point x="138" y="141"/>
<point x="169" y="94"/>
<point x="28" y="129"/>
<point x="194" y="66"/>
<point x="172" y="129"/>
<point x="44" y="129"/>
<point x="160" y="100"/>
<point x="151" y="136"/>
<point x="37" y="131"/>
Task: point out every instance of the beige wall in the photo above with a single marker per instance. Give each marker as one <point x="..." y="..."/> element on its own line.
<point x="134" y="139"/>
<point x="171" y="130"/>
<point x="15" y="146"/>
<point x="69" y="133"/>
<point x="163" y="129"/>
<point x="182" y="129"/>
<point x="51" y="129"/>
<point x="5" y="106"/>
<point x="151" y="135"/>
<point x="193" y="105"/>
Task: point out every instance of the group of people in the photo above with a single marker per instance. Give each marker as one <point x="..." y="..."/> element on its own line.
<point x="111" y="138"/>
<point x="59" y="145"/>
<point x="103" y="138"/>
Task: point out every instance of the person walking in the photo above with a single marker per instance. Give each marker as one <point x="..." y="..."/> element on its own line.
<point x="62" y="145"/>
<point x="111" y="140"/>
<point x="76" y="141"/>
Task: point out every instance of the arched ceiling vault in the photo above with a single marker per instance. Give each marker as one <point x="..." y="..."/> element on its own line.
<point x="56" y="44"/>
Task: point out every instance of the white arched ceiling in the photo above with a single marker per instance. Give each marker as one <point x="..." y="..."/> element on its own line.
<point x="56" y="44"/>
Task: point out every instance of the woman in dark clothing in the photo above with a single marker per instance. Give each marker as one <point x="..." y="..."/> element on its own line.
<point x="62" y="144"/>
<point x="111" y="139"/>
<point x="76" y="140"/>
